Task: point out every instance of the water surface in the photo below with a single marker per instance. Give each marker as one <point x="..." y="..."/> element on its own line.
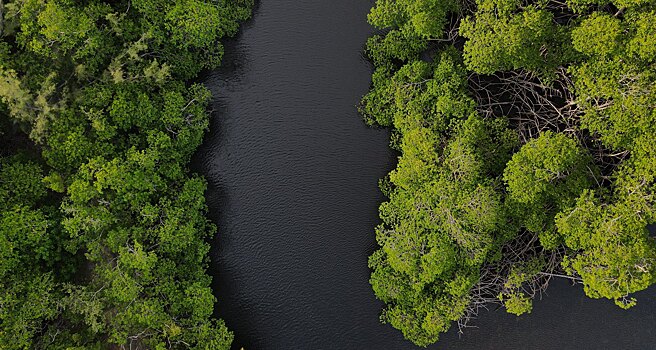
<point x="293" y="173"/>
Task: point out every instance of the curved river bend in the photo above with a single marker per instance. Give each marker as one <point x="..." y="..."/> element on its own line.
<point x="292" y="174"/>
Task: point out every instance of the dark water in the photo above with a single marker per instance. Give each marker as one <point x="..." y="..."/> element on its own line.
<point x="293" y="173"/>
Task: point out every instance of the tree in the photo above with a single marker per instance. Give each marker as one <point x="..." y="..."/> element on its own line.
<point x="444" y="219"/>
<point x="553" y="99"/>
<point x="115" y="253"/>
<point x="545" y="177"/>
<point x="611" y="248"/>
<point x="28" y="297"/>
<point x="502" y="35"/>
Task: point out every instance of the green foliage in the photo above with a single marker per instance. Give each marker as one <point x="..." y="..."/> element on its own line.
<point x="545" y="177"/>
<point x="191" y="23"/>
<point x="451" y="231"/>
<point x="27" y="251"/>
<point x="109" y="249"/>
<point x="21" y="183"/>
<point x="607" y="32"/>
<point x="410" y="24"/>
<point x="419" y="93"/>
<point x="500" y="37"/>
<point x="442" y="221"/>
<point x="397" y="45"/>
<point x="612" y="250"/>
<point x="615" y="84"/>
<point x="58" y="28"/>
<point x="585" y="5"/>
<point x="427" y="18"/>
<point x="513" y="296"/>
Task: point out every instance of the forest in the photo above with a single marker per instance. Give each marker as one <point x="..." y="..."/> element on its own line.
<point x="524" y="128"/>
<point x="525" y="131"/>
<point x="103" y="233"/>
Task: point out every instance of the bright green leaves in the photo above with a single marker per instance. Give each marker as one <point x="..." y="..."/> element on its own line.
<point x="145" y="215"/>
<point x="616" y="84"/>
<point x="24" y="239"/>
<point x="388" y="14"/>
<point x="616" y="89"/>
<point x="606" y="31"/>
<point x="377" y="106"/>
<point x="612" y="251"/>
<point x="426" y="18"/>
<point x="131" y="183"/>
<point x="419" y="94"/>
<point x="99" y="86"/>
<point x="426" y="98"/>
<point x="513" y="295"/>
<point x="61" y="33"/>
<point x="545" y="177"/>
<point x="469" y="216"/>
<point x="480" y="149"/>
<point x="549" y="167"/>
<point x="411" y="23"/>
<point x="471" y="211"/>
<point x="155" y="229"/>
<point x="24" y="228"/>
<point x="442" y="220"/>
<point x="17" y="98"/>
<point x="184" y="120"/>
<point x="397" y="45"/>
<point x="132" y="107"/>
<point x="192" y="23"/>
<point x="615" y="96"/>
<point x="450" y="223"/>
<point x="581" y="6"/>
<point x="183" y="224"/>
<point x="27" y="301"/>
<point x="500" y="39"/>
<point x="421" y="313"/>
<point x="642" y="43"/>
<point x="111" y="117"/>
<point x="60" y="26"/>
<point x="27" y="250"/>
<point x="418" y="165"/>
<point x="212" y="335"/>
<point x="186" y="33"/>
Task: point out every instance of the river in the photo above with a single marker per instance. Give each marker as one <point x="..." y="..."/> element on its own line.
<point x="293" y="173"/>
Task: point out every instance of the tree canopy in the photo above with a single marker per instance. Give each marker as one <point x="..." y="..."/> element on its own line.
<point x="102" y="227"/>
<point x="525" y="131"/>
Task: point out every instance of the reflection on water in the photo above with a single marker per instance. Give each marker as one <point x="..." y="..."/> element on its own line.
<point x="293" y="173"/>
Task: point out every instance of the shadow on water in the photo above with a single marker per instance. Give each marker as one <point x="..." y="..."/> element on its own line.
<point x="292" y="173"/>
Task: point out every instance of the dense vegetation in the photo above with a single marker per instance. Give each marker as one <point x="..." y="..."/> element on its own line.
<point x="102" y="228"/>
<point x="526" y="135"/>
